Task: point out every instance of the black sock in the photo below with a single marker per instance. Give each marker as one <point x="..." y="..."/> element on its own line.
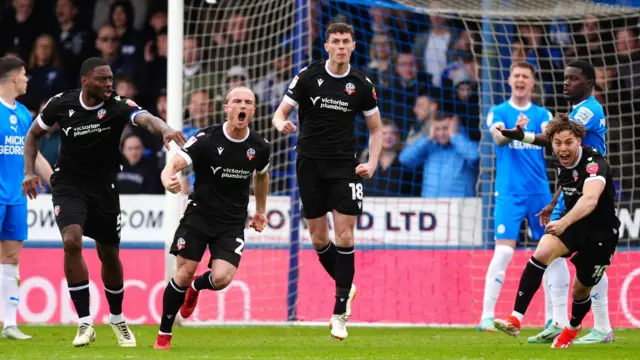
<point x="80" y="296"/>
<point x="579" y="310"/>
<point x="114" y="298"/>
<point x="344" y="271"/>
<point x="327" y="256"/>
<point x="204" y="282"/>
<point x="529" y="284"/>
<point x="172" y="300"/>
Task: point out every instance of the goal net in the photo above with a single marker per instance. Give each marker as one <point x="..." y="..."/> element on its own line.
<point x="425" y="237"/>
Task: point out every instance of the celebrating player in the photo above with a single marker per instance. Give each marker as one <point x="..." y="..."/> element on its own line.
<point x="224" y="158"/>
<point x="520" y="196"/>
<point x="330" y="94"/>
<point x="579" y="77"/>
<point x="589" y="228"/>
<point x="13" y="205"/>
<point x="85" y="198"/>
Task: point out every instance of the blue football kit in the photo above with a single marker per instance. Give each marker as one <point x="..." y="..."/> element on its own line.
<point x="14" y="125"/>
<point x="521" y="185"/>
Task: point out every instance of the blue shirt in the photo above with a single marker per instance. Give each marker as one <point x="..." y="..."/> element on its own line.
<point x="14" y="125"/>
<point x="449" y="171"/>
<point x="520" y="167"/>
<point x="591" y="114"/>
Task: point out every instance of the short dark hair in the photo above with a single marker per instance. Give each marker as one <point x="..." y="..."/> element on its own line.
<point x="588" y="70"/>
<point x="339" y="28"/>
<point x="523" y="65"/>
<point x="8" y="65"/>
<point x="557" y="125"/>
<point x="92" y="63"/>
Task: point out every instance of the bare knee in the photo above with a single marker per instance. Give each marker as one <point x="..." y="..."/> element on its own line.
<point x="319" y="232"/>
<point x="579" y="291"/>
<point x="221" y="279"/>
<point x="72" y="240"/>
<point x="549" y="248"/>
<point x="185" y="273"/>
<point x="108" y="253"/>
<point x="10" y="253"/>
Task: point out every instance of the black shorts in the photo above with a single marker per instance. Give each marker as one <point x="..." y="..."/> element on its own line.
<point x="95" y="208"/>
<point x="592" y="251"/>
<point x="224" y="242"/>
<point x="327" y="185"/>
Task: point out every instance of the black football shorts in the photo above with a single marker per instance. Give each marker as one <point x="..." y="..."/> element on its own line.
<point x="195" y="233"/>
<point x="327" y="185"/>
<point x="95" y="208"/>
<point x="592" y="251"/>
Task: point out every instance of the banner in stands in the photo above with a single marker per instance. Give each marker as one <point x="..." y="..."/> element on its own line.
<point x="396" y="286"/>
<point x="398" y="221"/>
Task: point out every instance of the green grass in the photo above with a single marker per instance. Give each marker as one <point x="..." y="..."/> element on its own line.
<point x="300" y="343"/>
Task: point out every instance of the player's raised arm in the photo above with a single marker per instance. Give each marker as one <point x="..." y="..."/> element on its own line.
<point x="157" y="126"/>
<point x="519" y="134"/>
<point x="496" y="125"/>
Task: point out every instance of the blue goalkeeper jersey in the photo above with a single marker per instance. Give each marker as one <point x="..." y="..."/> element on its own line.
<point x="14" y="125"/>
<point x="591" y="114"/>
<point x="520" y="167"/>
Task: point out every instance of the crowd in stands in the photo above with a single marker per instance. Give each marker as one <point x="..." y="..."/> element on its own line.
<point x="426" y="69"/>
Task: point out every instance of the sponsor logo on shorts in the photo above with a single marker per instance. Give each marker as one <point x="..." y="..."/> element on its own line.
<point x="56" y="210"/>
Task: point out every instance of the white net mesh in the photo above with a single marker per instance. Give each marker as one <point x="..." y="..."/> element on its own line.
<point x="427" y="230"/>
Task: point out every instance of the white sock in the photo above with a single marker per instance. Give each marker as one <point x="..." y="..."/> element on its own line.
<point x="10" y="291"/>
<point x="494" y="279"/>
<point x="600" y="305"/>
<point x="558" y="282"/>
<point x="86" y="320"/>
<point x="548" y="306"/>
<point x="116" y="319"/>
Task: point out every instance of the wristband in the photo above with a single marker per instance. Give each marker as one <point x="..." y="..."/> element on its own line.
<point x="529" y="138"/>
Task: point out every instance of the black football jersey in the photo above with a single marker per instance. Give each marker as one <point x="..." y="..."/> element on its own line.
<point x="223" y="168"/>
<point x="328" y="106"/>
<point x="90" y="136"/>
<point x="591" y="166"/>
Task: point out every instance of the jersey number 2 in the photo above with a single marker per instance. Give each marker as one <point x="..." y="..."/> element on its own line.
<point x="356" y="191"/>
<point x="240" y="247"/>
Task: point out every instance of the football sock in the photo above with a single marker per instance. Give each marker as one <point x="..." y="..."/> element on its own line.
<point x="172" y="300"/>
<point x="579" y="310"/>
<point x="114" y="298"/>
<point x="344" y="271"/>
<point x="548" y="306"/>
<point x="529" y="284"/>
<point x="10" y="292"/>
<point x="80" y="296"/>
<point x="494" y="279"/>
<point x="600" y="303"/>
<point x="558" y="279"/>
<point x="327" y="256"/>
<point x="203" y="282"/>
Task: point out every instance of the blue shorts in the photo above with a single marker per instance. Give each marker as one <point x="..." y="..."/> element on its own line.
<point x="13" y="222"/>
<point x="511" y="210"/>
<point x="559" y="209"/>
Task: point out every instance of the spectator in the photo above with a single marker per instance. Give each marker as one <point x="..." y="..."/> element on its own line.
<point x="125" y="86"/>
<point x="466" y="104"/>
<point x="101" y="13"/>
<point x="155" y="68"/>
<point x="138" y="175"/>
<point x="406" y="87"/>
<point x="108" y="46"/>
<point x="432" y="47"/>
<point x="121" y="17"/>
<point x="46" y="77"/>
<point x="270" y="89"/>
<point x="75" y="42"/>
<point x="449" y="159"/>
<point x="200" y="110"/>
<point x="197" y="75"/>
<point x="382" y="51"/>
<point x="391" y="178"/>
<point x="423" y="110"/>
<point x="20" y="26"/>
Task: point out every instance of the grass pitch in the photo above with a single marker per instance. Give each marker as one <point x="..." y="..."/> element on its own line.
<point x="301" y="343"/>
